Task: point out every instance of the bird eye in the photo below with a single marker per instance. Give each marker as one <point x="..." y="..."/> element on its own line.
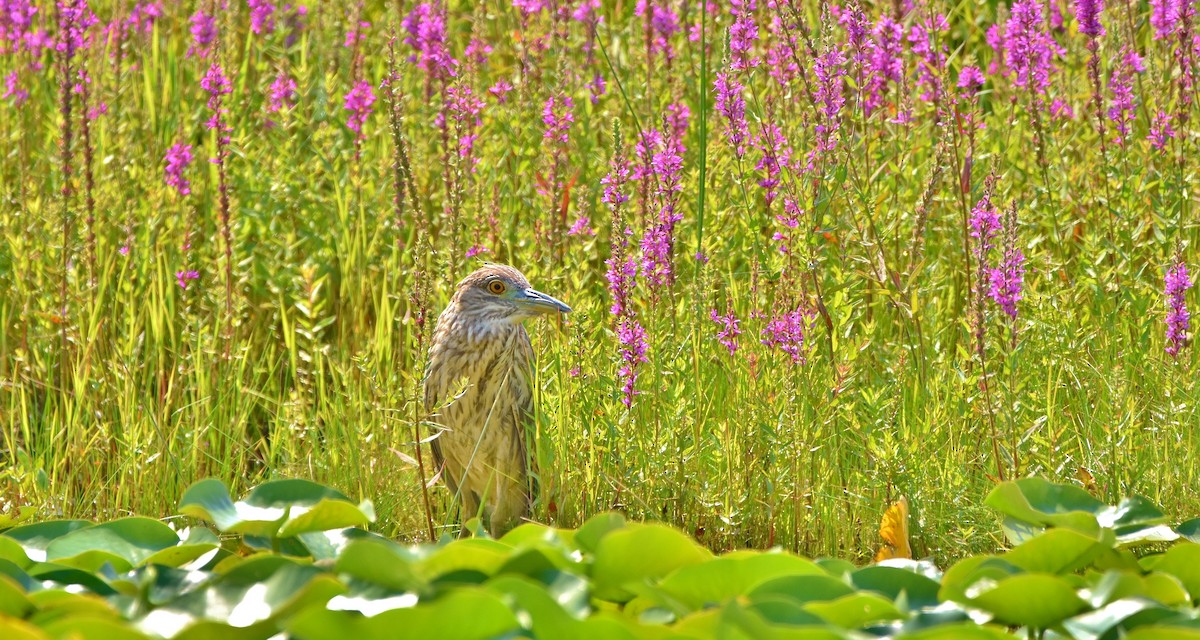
<point x="496" y="287"/>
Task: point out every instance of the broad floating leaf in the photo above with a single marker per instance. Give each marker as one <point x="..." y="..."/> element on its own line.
<point x="1042" y="503"/>
<point x="282" y="508"/>
<point x="713" y="582"/>
<point x="640" y="552"/>
<point x="463" y="614"/>
<point x="1030" y="600"/>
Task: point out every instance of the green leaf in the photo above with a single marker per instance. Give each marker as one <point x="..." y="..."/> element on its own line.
<point x="54" y="603"/>
<point x="1116" y="585"/>
<point x="856" y="610"/>
<point x="965" y="573"/>
<point x="281" y="508"/>
<point x="71" y="576"/>
<point x="1107" y="620"/>
<point x="1183" y="562"/>
<point x="918" y="590"/>
<point x="92" y="628"/>
<point x="639" y="552"/>
<point x="1190" y="529"/>
<point x="12" y="551"/>
<point x="1157" y="632"/>
<point x="383" y="563"/>
<point x="961" y="631"/>
<point x="802" y="589"/>
<point x="123" y="543"/>
<point x="209" y="500"/>
<point x="479" y="555"/>
<point x="782" y="610"/>
<point x="1056" y="551"/>
<point x="16" y="516"/>
<point x="713" y="582"/>
<point x="1039" y="502"/>
<point x="34" y="538"/>
<point x="589" y="535"/>
<point x="328" y="515"/>
<point x="462" y="614"/>
<point x="249" y="598"/>
<point x="14" y="629"/>
<point x="536" y="561"/>
<point x="13" y="601"/>
<point x="1030" y="600"/>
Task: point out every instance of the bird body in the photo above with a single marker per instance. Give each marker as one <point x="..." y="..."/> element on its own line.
<point x="478" y="391"/>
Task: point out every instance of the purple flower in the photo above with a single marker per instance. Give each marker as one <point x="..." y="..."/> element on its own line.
<point x="1123" y="106"/>
<point x="204" y="34"/>
<point x="732" y="104"/>
<point x="464" y="110"/>
<point x="658" y="242"/>
<point x="557" y="117"/>
<point x="622" y="278"/>
<point x="500" y="90"/>
<point x="923" y="38"/>
<point x="885" y="63"/>
<point x="1029" y="49"/>
<point x="742" y="35"/>
<point x="1008" y="279"/>
<point x="1164" y="17"/>
<point x="728" y="335"/>
<point x="99" y="109"/>
<point x="359" y="100"/>
<point x="970" y="78"/>
<point x="663" y="24"/>
<point x="262" y="16"/>
<point x="614" y="184"/>
<point x="790" y="219"/>
<point x="597" y="87"/>
<point x="1178" y="319"/>
<point x="426" y="27"/>
<point x="787" y="332"/>
<point x="477" y="51"/>
<point x="830" y="97"/>
<point x="529" y="7"/>
<point x="283" y="92"/>
<point x="216" y="84"/>
<point x="182" y="278"/>
<point x="74" y="19"/>
<point x="1087" y="12"/>
<point x="587" y="11"/>
<point x="140" y="20"/>
<point x="632" y="338"/>
<point x="1061" y="110"/>
<point x="357" y="33"/>
<point x="775" y="154"/>
<point x="581" y="227"/>
<point x="178" y="158"/>
<point x="16" y="27"/>
<point x="985" y="224"/>
<point x="1160" y="130"/>
<point x="12" y="89"/>
<point x="477" y="249"/>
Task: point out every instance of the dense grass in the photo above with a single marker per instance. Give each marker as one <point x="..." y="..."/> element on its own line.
<point x="120" y="388"/>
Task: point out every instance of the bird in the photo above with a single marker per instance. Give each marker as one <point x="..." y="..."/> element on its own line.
<point x="478" y="393"/>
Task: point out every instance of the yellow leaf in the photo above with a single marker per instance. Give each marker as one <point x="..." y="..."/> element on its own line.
<point x="894" y="531"/>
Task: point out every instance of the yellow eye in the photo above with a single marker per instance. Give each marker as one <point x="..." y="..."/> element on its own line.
<point x="496" y="287"/>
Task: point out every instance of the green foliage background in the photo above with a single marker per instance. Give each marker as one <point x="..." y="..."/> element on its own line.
<point x="119" y="394"/>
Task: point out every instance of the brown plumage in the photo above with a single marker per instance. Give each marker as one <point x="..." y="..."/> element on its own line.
<point x="478" y="391"/>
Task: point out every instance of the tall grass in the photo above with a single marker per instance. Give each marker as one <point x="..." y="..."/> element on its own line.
<point x="120" y="387"/>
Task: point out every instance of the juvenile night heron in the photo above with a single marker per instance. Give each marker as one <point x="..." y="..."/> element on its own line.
<point x="478" y="391"/>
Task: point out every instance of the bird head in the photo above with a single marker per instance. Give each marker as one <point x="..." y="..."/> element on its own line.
<point x="498" y="293"/>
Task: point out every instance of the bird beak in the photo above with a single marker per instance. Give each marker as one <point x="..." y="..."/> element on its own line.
<point x="539" y="303"/>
